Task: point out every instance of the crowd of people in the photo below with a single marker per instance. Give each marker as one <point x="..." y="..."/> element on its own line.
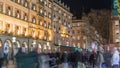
<point x="77" y="59"/>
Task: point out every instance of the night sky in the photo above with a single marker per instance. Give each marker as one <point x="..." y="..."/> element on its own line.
<point x="80" y="6"/>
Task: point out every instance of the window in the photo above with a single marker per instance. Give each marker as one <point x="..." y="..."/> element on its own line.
<point x="41" y="23"/>
<point x="1" y="7"/>
<point x="9" y="10"/>
<point x="49" y="5"/>
<point x="18" y="1"/>
<point x="41" y="11"/>
<point x="33" y="20"/>
<point x="45" y="2"/>
<point x="117" y="31"/>
<point x="45" y="13"/>
<point x="17" y="14"/>
<point x="26" y="4"/>
<point x="49" y="15"/>
<point x="33" y="7"/>
<point x="116" y="23"/>
<point x="25" y="17"/>
<point x="60" y="11"/>
<point x="22" y="2"/>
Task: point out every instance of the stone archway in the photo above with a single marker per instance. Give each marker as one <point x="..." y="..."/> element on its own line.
<point x="7" y="48"/>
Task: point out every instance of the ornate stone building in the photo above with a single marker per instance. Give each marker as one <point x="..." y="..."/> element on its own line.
<point x="34" y="23"/>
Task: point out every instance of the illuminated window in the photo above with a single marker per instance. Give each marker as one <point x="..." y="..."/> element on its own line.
<point x="18" y="1"/>
<point x="17" y="14"/>
<point x="9" y="10"/>
<point x="49" y="15"/>
<point x="26" y="4"/>
<point x="25" y="17"/>
<point x="117" y="22"/>
<point x="45" y="13"/>
<point x="22" y="2"/>
<point x="33" y="7"/>
<point x="45" y="2"/>
<point x="49" y="5"/>
<point x="41" y="11"/>
<point x="41" y="23"/>
<point x="33" y="20"/>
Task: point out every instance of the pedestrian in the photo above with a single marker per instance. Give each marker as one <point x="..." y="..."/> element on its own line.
<point x="107" y="58"/>
<point x="92" y="59"/>
<point x="115" y="58"/>
<point x="6" y="52"/>
<point x="65" y="60"/>
<point x="100" y="59"/>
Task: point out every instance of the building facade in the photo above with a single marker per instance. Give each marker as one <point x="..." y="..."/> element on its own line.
<point x="84" y="35"/>
<point x="79" y="33"/>
<point x="30" y="24"/>
<point x="62" y="24"/>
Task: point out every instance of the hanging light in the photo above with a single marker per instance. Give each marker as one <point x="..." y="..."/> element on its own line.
<point x="13" y="39"/>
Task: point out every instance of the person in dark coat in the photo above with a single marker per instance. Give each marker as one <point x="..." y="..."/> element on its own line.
<point x="78" y="59"/>
<point x="92" y="59"/>
<point x="107" y="58"/>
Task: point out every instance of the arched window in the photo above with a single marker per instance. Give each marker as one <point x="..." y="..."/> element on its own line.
<point x="25" y="17"/>
<point x="17" y="15"/>
<point x="33" y="7"/>
<point x="33" y="20"/>
<point x="9" y="10"/>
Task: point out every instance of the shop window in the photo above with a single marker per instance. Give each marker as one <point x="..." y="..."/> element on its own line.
<point x="33" y="20"/>
<point x="1" y="7"/>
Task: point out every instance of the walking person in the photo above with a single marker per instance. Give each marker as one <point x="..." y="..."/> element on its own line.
<point x="92" y="59"/>
<point x="65" y="60"/>
<point x="107" y="58"/>
<point x="115" y="58"/>
<point x="100" y="59"/>
<point x="6" y="53"/>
